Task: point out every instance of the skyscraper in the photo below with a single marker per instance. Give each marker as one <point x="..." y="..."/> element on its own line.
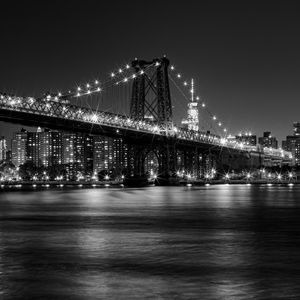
<point x="192" y="120"/>
<point x="44" y="148"/>
<point x="19" y="147"/>
<point x="55" y="156"/>
<point x="77" y="152"/>
<point x="32" y="148"/>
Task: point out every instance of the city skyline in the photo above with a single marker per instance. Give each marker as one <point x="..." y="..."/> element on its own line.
<point x="243" y="60"/>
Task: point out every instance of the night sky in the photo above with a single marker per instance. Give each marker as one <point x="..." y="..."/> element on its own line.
<point x="245" y="57"/>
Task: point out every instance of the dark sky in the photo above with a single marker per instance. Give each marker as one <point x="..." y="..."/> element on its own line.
<point x="244" y="56"/>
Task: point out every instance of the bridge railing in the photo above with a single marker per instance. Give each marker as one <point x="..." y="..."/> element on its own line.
<point x="68" y="111"/>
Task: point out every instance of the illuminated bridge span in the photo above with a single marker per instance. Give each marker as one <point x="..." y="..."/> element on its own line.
<point x="149" y="127"/>
<point x="13" y="108"/>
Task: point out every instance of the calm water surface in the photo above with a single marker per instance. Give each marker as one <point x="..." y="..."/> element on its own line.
<point x="216" y="242"/>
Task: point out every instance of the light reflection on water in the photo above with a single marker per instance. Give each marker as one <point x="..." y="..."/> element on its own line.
<point x="212" y="242"/>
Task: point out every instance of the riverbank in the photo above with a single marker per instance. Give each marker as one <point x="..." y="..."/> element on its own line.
<point x="42" y="185"/>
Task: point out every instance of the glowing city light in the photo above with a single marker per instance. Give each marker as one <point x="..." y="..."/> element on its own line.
<point x="94" y="118"/>
<point x="223" y="141"/>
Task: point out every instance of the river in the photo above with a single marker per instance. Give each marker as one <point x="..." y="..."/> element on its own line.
<point x="212" y="242"/>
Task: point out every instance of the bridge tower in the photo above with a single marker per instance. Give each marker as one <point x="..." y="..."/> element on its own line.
<point x="151" y="99"/>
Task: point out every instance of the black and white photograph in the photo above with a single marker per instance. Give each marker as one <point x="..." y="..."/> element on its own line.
<point x="149" y="150"/>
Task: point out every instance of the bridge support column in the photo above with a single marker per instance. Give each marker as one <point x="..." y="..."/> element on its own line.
<point x="136" y="160"/>
<point x="167" y="160"/>
<point x="208" y="163"/>
<point x="190" y="161"/>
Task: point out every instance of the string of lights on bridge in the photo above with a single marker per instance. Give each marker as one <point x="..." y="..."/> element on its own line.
<point x="184" y="82"/>
<point x="92" y="87"/>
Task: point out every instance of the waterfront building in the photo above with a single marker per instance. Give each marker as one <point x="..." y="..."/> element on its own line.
<point x="19" y="147"/>
<point x="56" y="148"/>
<point x="77" y="153"/>
<point x="109" y="154"/>
<point x="32" y="148"/>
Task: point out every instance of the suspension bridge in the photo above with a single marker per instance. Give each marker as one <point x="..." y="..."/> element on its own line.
<point x="145" y="123"/>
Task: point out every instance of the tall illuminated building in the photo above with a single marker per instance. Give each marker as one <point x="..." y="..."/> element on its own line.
<point x="88" y="153"/>
<point x="33" y="148"/>
<point x="120" y="151"/>
<point x="103" y="153"/>
<point x="192" y="120"/>
<point x="77" y="151"/>
<point x="44" y="148"/>
<point x="56" y="148"/>
<point x="50" y="148"/>
<point x="3" y="148"/>
<point x="19" y="147"/>
<point x="109" y="154"/>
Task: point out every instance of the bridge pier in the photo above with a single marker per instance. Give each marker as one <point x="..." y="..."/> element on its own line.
<point x="136" y="160"/>
<point x="167" y="160"/>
